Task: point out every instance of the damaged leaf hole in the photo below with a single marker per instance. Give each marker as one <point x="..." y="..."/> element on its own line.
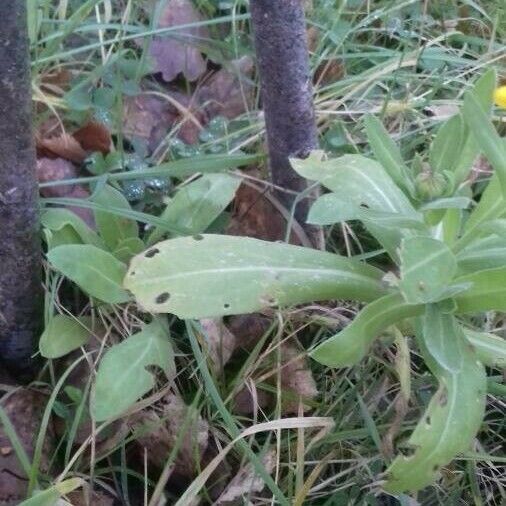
<point x="162" y="298"/>
<point x="152" y="252"/>
<point x="226" y="305"/>
<point x="198" y="237"/>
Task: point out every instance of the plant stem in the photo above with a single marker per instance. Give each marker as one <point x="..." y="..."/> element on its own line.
<point x="283" y="62"/>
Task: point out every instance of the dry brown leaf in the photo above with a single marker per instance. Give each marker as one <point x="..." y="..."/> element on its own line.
<point x="255" y="216"/>
<point x="229" y="92"/>
<point x="94" y="136"/>
<point x="78" y="498"/>
<point x="24" y="408"/>
<point x="250" y="400"/>
<point x="296" y="378"/>
<point x="221" y="343"/>
<point x="246" y="482"/>
<point x="61" y="146"/>
<point x="148" y="118"/>
<point x="177" y="52"/>
<point x="57" y="169"/>
<point x="248" y="329"/>
<point x="158" y="433"/>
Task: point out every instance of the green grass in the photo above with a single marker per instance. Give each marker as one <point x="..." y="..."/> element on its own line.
<point x="397" y="59"/>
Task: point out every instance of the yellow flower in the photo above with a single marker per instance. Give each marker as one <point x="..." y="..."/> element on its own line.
<point x="500" y="96"/>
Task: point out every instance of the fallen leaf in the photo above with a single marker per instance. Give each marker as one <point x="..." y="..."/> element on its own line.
<point x="246" y="482"/>
<point x="296" y="378"/>
<point x="176" y="53"/>
<point x="254" y="215"/>
<point x="250" y="399"/>
<point x="248" y="329"/>
<point x="94" y="136"/>
<point x="158" y="432"/>
<point x="58" y="169"/>
<point x="61" y="146"/>
<point x="220" y="341"/>
<point x="229" y="92"/>
<point x="78" y="498"/>
<point x="24" y="408"/>
<point x="148" y="118"/>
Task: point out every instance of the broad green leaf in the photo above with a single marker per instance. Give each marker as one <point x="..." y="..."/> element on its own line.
<point x="62" y="335"/>
<point x="213" y="275"/>
<point x="330" y="208"/>
<point x="114" y="228"/>
<point x="487" y="137"/>
<point x="483" y="90"/>
<point x="427" y="268"/>
<point x="488" y="291"/>
<point x="388" y="154"/>
<point x="491" y="206"/>
<point x="94" y="270"/>
<point x="447" y="203"/>
<point x="122" y="378"/>
<point x="482" y="254"/>
<point x="362" y="182"/>
<point x="359" y="180"/>
<point x="351" y="344"/>
<point x="489" y="348"/>
<point x="447" y="144"/>
<point x="451" y="225"/>
<point x="128" y="248"/>
<point x="58" y="220"/>
<point x="50" y="496"/>
<point x="198" y="204"/>
<point x="455" y="412"/>
<point x="495" y="227"/>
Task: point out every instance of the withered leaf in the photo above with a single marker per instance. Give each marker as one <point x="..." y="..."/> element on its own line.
<point x="177" y="52"/>
<point x="94" y="136"/>
<point x="220" y="342"/>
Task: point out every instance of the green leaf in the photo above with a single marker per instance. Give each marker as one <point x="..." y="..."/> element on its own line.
<point x="454" y="414"/>
<point x="62" y="335"/>
<point x="114" y="228"/>
<point x="127" y="248"/>
<point x="50" y="496"/>
<point x="488" y="291"/>
<point x="482" y="254"/>
<point x="447" y="145"/>
<point x="447" y="203"/>
<point x="351" y="344"/>
<point x="95" y="271"/>
<point x="198" y="204"/>
<point x="487" y="137"/>
<point x="483" y="90"/>
<point x="330" y="208"/>
<point x="490" y="207"/>
<point x="357" y="179"/>
<point x="213" y="275"/>
<point x="58" y="220"/>
<point x="427" y="268"/>
<point x="490" y="349"/>
<point x="122" y="377"/>
<point x="361" y="182"/>
<point x="388" y="154"/>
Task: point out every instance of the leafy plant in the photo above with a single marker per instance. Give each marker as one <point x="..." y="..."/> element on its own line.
<point x="450" y="262"/>
<point x="97" y="262"/>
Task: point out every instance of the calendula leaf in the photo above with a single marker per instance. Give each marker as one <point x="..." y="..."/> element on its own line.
<point x="94" y="270"/>
<point x="482" y="254"/>
<point x="62" y="335"/>
<point x="114" y="228"/>
<point x="487" y="137"/>
<point x="350" y="345"/>
<point x="122" y="377"/>
<point x="487" y="293"/>
<point x="207" y="276"/>
<point x="427" y="268"/>
<point x="454" y="414"/>
<point x="490" y="349"/>
<point x="198" y="204"/>
<point x="447" y="144"/>
<point x="388" y="154"/>
<point x="57" y="220"/>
